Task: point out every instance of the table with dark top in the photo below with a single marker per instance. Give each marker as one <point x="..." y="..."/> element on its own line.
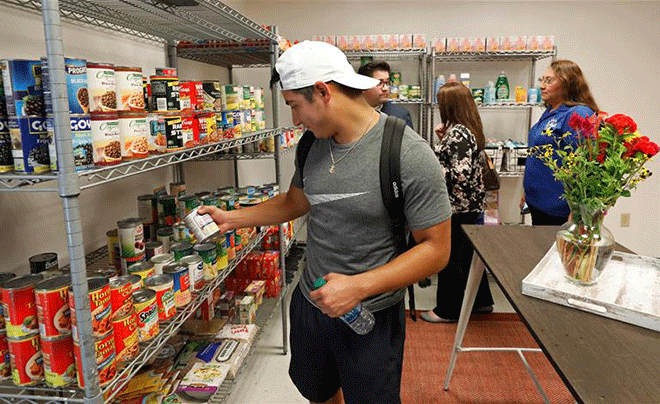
<point x="599" y="359"/>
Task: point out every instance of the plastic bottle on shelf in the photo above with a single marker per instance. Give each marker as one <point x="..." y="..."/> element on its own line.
<point x="502" y="87"/>
<point x="489" y="93"/>
<point x="359" y="319"/>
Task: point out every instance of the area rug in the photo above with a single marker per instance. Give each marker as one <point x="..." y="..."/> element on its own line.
<point x="479" y="377"/>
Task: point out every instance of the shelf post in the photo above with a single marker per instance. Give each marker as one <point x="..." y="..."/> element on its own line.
<point x="69" y="190"/>
<point x="172" y="60"/>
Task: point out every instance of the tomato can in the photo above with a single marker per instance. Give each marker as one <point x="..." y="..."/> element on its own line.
<point x="209" y="255"/>
<point x="195" y="271"/>
<point x="99" y="298"/>
<point x="163" y="285"/>
<point x="26" y="360"/>
<point x="143" y="270"/>
<point x="5" y="362"/>
<point x="181" y="249"/>
<point x="59" y="368"/>
<point x="19" y="306"/>
<point x="160" y="261"/>
<point x="126" y="335"/>
<point x="104" y="348"/>
<point x="121" y="294"/>
<point x="52" y="298"/>
<point x="4" y="277"/>
<point x="181" y="286"/>
<point x="146" y="309"/>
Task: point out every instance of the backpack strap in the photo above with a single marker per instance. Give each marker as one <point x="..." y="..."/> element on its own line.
<point x="304" y="145"/>
<point x="392" y="189"/>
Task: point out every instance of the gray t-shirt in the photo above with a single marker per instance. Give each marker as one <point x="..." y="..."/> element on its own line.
<point x="349" y="230"/>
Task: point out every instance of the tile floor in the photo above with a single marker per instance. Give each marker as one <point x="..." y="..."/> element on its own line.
<point x="265" y="379"/>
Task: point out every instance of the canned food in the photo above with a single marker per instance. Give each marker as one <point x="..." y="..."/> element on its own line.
<point x="104" y="348"/>
<point x="181" y="249"/>
<point x="147" y="209"/>
<point x="134" y="134"/>
<point x="187" y="203"/>
<point x="22" y="80"/>
<point x="165" y="93"/>
<point x="102" y="87"/>
<point x="75" y="71"/>
<point x="221" y="249"/>
<point x="43" y="262"/>
<point x="30" y="139"/>
<point x="163" y="285"/>
<point x="209" y="256"/>
<point x="121" y="294"/>
<point x="4" y="277"/>
<point x="177" y="189"/>
<point x="166" y="210"/>
<point x="202" y="226"/>
<point x="126" y="335"/>
<point x="160" y="261"/>
<point x="5" y="362"/>
<point x="114" y="254"/>
<point x="109" y="272"/>
<point x="174" y="132"/>
<point x="99" y="298"/>
<point x="227" y="202"/>
<point x="130" y="95"/>
<point x="157" y="139"/>
<point x="106" y="141"/>
<point x="231" y="244"/>
<point x="166" y="236"/>
<point x="27" y="365"/>
<point x="153" y="248"/>
<point x="52" y="298"/>
<point x="143" y="270"/>
<point x="146" y="309"/>
<point x="187" y="131"/>
<point x="209" y="200"/>
<point x="131" y="241"/>
<point x="195" y="271"/>
<point x="81" y="137"/>
<point x="58" y="360"/>
<point x="181" y="232"/>
<point x="6" y="158"/>
<point x="181" y="287"/>
<point x="19" y="306"/>
<point x="136" y="283"/>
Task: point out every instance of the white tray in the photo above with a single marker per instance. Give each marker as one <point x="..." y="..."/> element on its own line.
<point x="628" y="290"/>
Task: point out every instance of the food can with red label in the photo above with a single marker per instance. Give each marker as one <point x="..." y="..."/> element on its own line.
<point x="26" y="360"/>
<point x="146" y="309"/>
<point x="59" y="365"/>
<point x="99" y="298"/>
<point x="195" y="271"/>
<point x="126" y="335"/>
<point x="181" y="286"/>
<point x="163" y="285"/>
<point x="131" y="241"/>
<point x="52" y="298"/>
<point x="106" y="140"/>
<point x="104" y="348"/>
<point x="4" y="277"/>
<point x="5" y="362"/>
<point x="121" y="294"/>
<point x="19" y="306"/>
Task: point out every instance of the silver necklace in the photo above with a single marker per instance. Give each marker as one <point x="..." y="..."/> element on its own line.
<point x="332" y="156"/>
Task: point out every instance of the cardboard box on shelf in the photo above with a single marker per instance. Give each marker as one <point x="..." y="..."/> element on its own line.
<point x="419" y="41"/>
<point x="256" y="289"/>
<point x="405" y="41"/>
<point x="439" y="44"/>
<point x="453" y="44"/>
<point x="492" y="44"/>
<point x="392" y="41"/>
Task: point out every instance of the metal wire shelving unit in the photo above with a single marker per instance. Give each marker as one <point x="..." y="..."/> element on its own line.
<point x="196" y="22"/>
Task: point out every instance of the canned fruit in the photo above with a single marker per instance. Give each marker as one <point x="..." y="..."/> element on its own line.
<point x="104" y="349"/>
<point x="163" y="285"/>
<point x="121" y="295"/>
<point x="101" y="85"/>
<point x="209" y="256"/>
<point x="106" y="141"/>
<point x="146" y="309"/>
<point x="99" y="298"/>
<point x="202" y="227"/>
<point x="26" y="360"/>
<point x="58" y="359"/>
<point x="126" y="335"/>
<point x="52" y="299"/>
<point x="19" y="306"/>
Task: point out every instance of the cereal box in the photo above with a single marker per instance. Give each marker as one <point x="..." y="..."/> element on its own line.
<point x="492" y="44"/>
<point x="464" y="45"/>
<point x="379" y="41"/>
<point x="439" y="44"/>
<point x="453" y="44"/>
<point x="392" y="41"/>
<point x="477" y="44"/>
<point x="419" y="41"/>
<point x="405" y="41"/>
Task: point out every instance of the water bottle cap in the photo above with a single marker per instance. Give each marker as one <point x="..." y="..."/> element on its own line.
<point x="319" y="282"/>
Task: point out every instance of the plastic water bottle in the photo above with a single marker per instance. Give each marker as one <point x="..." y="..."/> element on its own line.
<point x="359" y="319"/>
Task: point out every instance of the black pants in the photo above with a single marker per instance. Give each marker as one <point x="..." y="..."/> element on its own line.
<point x="540" y="218"/>
<point x="453" y="278"/>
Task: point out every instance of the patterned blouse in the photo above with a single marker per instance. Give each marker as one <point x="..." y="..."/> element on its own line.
<point x="459" y="156"/>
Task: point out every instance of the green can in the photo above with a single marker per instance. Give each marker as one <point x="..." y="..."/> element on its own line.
<point x="166" y="210"/>
<point x="227" y="202"/>
<point x="227" y="190"/>
<point x="181" y="249"/>
<point x="209" y="200"/>
<point x="186" y="204"/>
<point x="209" y="254"/>
<point x="223" y="254"/>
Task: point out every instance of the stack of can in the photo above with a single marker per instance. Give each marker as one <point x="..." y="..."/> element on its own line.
<point x="5" y="363"/>
<point x="124" y="318"/>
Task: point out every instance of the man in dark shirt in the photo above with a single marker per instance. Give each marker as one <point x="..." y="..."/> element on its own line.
<point x="378" y="96"/>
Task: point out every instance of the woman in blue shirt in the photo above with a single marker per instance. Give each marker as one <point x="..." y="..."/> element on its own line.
<point x="565" y="92"/>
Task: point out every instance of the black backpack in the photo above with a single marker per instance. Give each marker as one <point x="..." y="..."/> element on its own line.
<point x="390" y="185"/>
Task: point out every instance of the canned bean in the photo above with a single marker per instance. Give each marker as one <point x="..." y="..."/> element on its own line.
<point x="146" y="309"/>
<point x="106" y="140"/>
<point x="104" y="348"/>
<point x="58" y="358"/>
<point x="5" y="362"/>
<point x="43" y="262"/>
<point x="131" y="241"/>
<point x="121" y="294"/>
<point x="27" y="365"/>
<point x="19" y="306"/>
<point x="143" y="270"/>
<point x="126" y="332"/>
<point x="195" y="271"/>
<point x="181" y="249"/>
<point x="52" y="298"/>
<point x="102" y="87"/>
<point x="160" y="261"/>
<point x="181" y="286"/>
<point x="99" y="298"/>
<point x="163" y="285"/>
<point x="209" y="256"/>
<point x="202" y="227"/>
<point x="130" y="95"/>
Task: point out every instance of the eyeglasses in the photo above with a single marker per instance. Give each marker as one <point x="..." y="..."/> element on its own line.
<point x="383" y="84"/>
<point x="547" y="80"/>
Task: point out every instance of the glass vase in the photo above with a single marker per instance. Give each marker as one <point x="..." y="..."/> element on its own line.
<point x="584" y="245"/>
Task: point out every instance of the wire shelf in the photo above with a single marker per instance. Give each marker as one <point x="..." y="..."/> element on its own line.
<point x="491" y="56"/>
<point x="297" y="226"/>
<point x="389" y="54"/>
<point x="242" y="55"/>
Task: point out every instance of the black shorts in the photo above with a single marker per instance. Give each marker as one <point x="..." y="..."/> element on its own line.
<point x="326" y="355"/>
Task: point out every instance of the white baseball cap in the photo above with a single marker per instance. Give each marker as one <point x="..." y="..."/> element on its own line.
<point x="308" y="62"/>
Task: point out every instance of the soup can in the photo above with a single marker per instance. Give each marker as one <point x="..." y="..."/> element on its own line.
<point x="153" y="248"/>
<point x="125" y="326"/>
<point x="160" y="261"/>
<point x="195" y="271"/>
<point x="52" y="298"/>
<point x="136" y="283"/>
<point x="59" y="368"/>
<point x="165" y="236"/>
<point x="99" y="298"/>
<point x="43" y="262"/>
<point x="146" y="310"/>
<point x="27" y="365"/>
<point x="202" y="226"/>
<point x="104" y="348"/>
<point x="163" y="285"/>
<point x="181" y="286"/>
<point x="4" y="277"/>
<point x="143" y="270"/>
<point x="19" y="306"/>
<point x="5" y="362"/>
<point x="181" y="249"/>
<point x="121" y="294"/>
<point x="131" y="241"/>
<point x="209" y="256"/>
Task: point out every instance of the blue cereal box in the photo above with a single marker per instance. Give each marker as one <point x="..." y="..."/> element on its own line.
<point x="75" y="72"/>
<point x="30" y="144"/>
<point x="23" y="89"/>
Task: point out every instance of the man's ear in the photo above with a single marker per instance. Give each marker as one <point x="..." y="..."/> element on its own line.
<point x="323" y="89"/>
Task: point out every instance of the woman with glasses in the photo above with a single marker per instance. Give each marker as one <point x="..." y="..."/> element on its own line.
<point x="565" y="92"/>
<point x="459" y="151"/>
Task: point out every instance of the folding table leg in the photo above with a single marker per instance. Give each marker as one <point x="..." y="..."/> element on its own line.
<point x="474" y="278"/>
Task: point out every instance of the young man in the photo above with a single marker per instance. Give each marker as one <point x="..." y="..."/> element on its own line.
<point x="349" y="241"/>
<point x="378" y="97"/>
